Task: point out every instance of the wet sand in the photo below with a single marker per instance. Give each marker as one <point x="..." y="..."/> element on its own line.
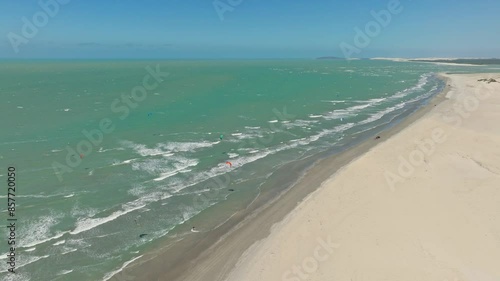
<point x="213" y="255"/>
<point x="424" y="204"/>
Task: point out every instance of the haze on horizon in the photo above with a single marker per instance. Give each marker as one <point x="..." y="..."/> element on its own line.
<point x="246" y="29"/>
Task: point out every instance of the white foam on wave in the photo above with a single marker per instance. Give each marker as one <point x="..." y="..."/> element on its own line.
<point x="167" y="149"/>
<point x="247" y="135"/>
<point x="323" y="133"/>
<point x="101" y="149"/>
<point x="22" y="141"/>
<point x="424" y="79"/>
<point x="85" y="224"/>
<point x="173" y="173"/>
<point x="176" y="186"/>
<point x="376" y="100"/>
<point x="273" y="121"/>
<point x="38" y="242"/>
<point x="233" y="155"/>
<point x="299" y="123"/>
<point x="38" y="196"/>
<point x="315" y="116"/>
<point x="113" y="273"/>
<point x="379" y="115"/>
<point x="186" y="146"/>
<point x="351" y="111"/>
<point x="30" y="249"/>
<point x="354" y="110"/>
<point x="59" y="243"/>
<point x="116" y="163"/>
<point x="335" y="101"/>
<point x="164" y="167"/>
<point x="428" y="94"/>
<point x="78" y="211"/>
<point x="64" y="272"/>
<point x="255" y="155"/>
<point x="29" y="260"/>
<point x="70" y="250"/>
<point x="137" y="189"/>
<point x="38" y="231"/>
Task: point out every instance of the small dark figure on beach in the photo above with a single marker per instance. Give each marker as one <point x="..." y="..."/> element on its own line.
<point x="378" y="137"/>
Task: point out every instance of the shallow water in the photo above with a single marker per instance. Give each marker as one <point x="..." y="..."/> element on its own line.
<point x="83" y="202"/>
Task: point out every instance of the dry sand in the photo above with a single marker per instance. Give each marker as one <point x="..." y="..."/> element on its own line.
<point x="404" y="210"/>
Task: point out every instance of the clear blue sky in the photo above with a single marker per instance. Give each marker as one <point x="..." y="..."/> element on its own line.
<point x="253" y="29"/>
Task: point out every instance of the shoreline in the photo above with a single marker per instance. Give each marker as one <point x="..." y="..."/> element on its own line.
<point x="440" y="223"/>
<point x="222" y="247"/>
<point x="438" y="61"/>
<point x="475" y="62"/>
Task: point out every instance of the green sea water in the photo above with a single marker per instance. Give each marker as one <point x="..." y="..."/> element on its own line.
<point x="113" y="156"/>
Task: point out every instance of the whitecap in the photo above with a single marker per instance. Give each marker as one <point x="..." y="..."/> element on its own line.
<point x="64" y="272"/>
<point x="116" y="163"/>
<point x="232" y="155"/>
<point x="85" y="224"/>
<point x="38" y="231"/>
<point x="59" y="243"/>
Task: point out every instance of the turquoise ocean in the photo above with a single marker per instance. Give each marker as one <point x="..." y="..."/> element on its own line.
<point x="108" y="171"/>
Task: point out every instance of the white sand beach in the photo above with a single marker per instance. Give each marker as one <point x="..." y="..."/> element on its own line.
<point x="423" y="204"/>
